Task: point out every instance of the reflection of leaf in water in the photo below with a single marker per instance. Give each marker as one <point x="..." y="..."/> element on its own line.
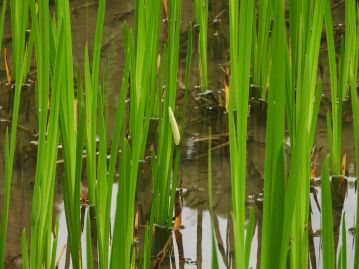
<point x="344" y="164"/>
<point x="314" y="161"/>
<point x="317" y="233"/>
<point x="167" y="249"/>
<point x="352" y="231"/>
<point x="76" y="10"/>
<point x="60" y="256"/>
<point x="315" y="196"/>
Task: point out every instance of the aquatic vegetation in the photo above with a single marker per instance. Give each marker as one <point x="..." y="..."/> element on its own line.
<point x="5" y="212"/>
<point x="201" y="12"/>
<point x="327" y="226"/>
<point x="148" y="240"/>
<point x="92" y="93"/>
<point x="240" y="53"/>
<point x="72" y="139"/>
<point x="327" y="222"/>
<point x="308" y="94"/>
<point x="210" y="202"/>
<point x="164" y="167"/>
<point x="143" y="92"/>
<point x="355" y="106"/>
<point x="274" y="44"/>
<point x="21" y="55"/>
<point x="275" y="176"/>
<point x="101" y="168"/>
<point x="287" y="202"/>
<point x="49" y="48"/>
<point x="261" y="47"/>
<point x="342" y="260"/>
<point x="339" y="78"/>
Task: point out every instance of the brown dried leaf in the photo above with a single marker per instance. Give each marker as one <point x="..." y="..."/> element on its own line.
<point x="314" y="161"/>
<point x="83" y="197"/>
<point x="8" y="73"/>
<point x="165" y="9"/>
<point x="226" y="85"/>
<point x="344" y="164"/>
<point x="178" y="221"/>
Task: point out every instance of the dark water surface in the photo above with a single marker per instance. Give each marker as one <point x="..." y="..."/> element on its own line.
<point x="192" y="244"/>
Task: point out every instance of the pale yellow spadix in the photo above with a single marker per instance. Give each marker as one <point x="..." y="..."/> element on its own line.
<point x="174" y="126"/>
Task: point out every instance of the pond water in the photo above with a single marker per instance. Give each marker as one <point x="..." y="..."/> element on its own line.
<point x="192" y="243"/>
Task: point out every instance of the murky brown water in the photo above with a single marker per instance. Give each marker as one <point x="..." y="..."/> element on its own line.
<point x="194" y="248"/>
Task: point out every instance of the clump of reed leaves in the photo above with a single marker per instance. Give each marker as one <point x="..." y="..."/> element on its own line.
<point x="240" y="53"/>
<point x="80" y="126"/>
<point x="162" y="159"/>
<point x="340" y="77"/>
<point x="293" y="103"/>
<point x="22" y="51"/>
<point x="165" y="166"/>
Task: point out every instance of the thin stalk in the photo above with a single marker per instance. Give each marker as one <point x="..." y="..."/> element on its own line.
<point x="201" y="11"/>
<point x="355" y="106"/>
